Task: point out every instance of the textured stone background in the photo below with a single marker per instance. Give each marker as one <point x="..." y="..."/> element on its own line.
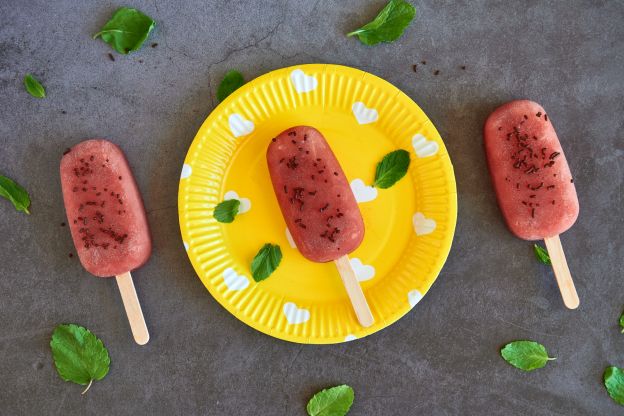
<point x="442" y="358"/>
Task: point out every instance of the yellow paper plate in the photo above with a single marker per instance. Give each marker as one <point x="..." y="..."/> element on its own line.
<point x="409" y="227"/>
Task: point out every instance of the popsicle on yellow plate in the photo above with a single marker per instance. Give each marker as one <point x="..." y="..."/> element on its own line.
<point x="107" y="220"/>
<point x="534" y="187"/>
<point x="318" y="205"/>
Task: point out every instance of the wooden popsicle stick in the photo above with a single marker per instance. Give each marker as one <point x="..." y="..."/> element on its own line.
<point x="562" y="273"/>
<point x="354" y="290"/>
<point x="133" y="308"/>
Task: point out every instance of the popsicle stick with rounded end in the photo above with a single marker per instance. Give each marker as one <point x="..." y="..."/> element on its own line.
<point x="562" y="273"/>
<point x="133" y="308"/>
<point x="354" y="290"/>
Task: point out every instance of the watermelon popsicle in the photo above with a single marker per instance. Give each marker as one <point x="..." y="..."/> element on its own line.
<point x="318" y="205"/>
<point x="107" y="220"/>
<point x="534" y="187"/>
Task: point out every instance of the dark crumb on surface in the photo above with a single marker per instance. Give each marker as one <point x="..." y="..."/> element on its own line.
<point x="140" y="61"/>
<point x="71" y="255"/>
<point x="63" y="112"/>
<point x="572" y="180"/>
<point x="436" y="72"/>
<point x="414" y="67"/>
<point x="111" y="57"/>
<point x="62" y="224"/>
<point x="423" y="62"/>
<point x="463" y="67"/>
<point x="154" y="45"/>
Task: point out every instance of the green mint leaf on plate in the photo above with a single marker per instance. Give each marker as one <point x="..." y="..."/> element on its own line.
<point x="542" y="254"/>
<point x="232" y="81"/>
<point x="525" y="355"/>
<point x="614" y="382"/>
<point x="126" y="30"/>
<point x="79" y="356"/>
<point x="335" y="401"/>
<point x="226" y="211"/>
<point x="622" y="322"/>
<point x="391" y="168"/>
<point x="266" y="261"/>
<point x="389" y="24"/>
<point x="14" y="193"/>
<point x="34" y="87"/>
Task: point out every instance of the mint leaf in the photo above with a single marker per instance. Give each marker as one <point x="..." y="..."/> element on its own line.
<point x="525" y="355"/>
<point x="389" y="24"/>
<point x="391" y="168"/>
<point x="14" y="193"/>
<point x="34" y="87"/>
<point x="232" y="81"/>
<point x="622" y="322"/>
<point x="126" y="30"/>
<point x="335" y="401"/>
<point x="266" y="261"/>
<point x="614" y="382"/>
<point x="226" y="211"/>
<point x="79" y="356"/>
<point x="542" y="254"/>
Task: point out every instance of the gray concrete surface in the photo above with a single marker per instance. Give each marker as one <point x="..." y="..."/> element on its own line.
<point x="441" y="359"/>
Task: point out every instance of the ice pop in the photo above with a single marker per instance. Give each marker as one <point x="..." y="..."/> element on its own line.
<point x="534" y="187"/>
<point x="318" y="205"/>
<point x="107" y="220"/>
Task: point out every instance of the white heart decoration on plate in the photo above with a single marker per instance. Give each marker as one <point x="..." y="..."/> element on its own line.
<point x="186" y="171"/>
<point x="422" y="224"/>
<point x="245" y="203"/>
<point x="363" y="114"/>
<point x="290" y="239"/>
<point x="295" y="315"/>
<point x="240" y="126"/>
<point x="233" y="280"/>
<point x="413" y="297"/>
<point x="363" y="272"/>
<point x="362" y="192"/>
<point x="424" y="147"/>
<point x="302" y="82"/>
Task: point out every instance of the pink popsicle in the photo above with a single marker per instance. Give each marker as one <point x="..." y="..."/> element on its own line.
<point x="534" y="187"/>
<point x="533" y="183"/>
<point x="104" y="209"/>
<point x="314" y="195"/>
<point x="107" y="220"/>
<point x="318" y="205"/>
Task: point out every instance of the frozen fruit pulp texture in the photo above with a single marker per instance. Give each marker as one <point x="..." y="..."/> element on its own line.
<point x="529" y="171"/>
<point x="314" y="195"/>
<point x="104" y="209"/>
